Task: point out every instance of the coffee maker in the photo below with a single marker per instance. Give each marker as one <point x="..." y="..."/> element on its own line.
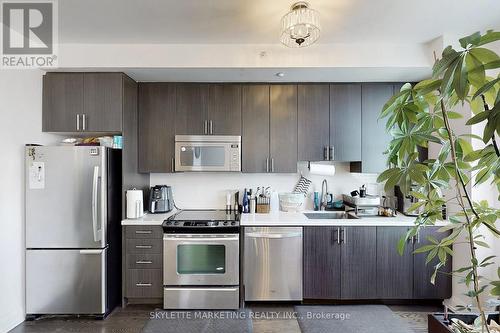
<point x="160" y="199"/>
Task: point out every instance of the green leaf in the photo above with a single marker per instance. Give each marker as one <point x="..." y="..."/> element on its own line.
<point x="486" y="87"/>
<point x="425" y="248"/>
<point x="478" y="118"/>
<point x="454" y="115"/>
<point x="426" y="86"/>
<point x="484" y="55"/>
<point x="402" y="245"/>
<point x="489" y="37"/>
<point x="449" y="57"/>
<point x="473" y="39"/>
<point x="481" y="243"/>
<point x="460" y="83"/>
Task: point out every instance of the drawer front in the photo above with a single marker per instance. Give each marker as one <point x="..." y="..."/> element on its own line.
<point x="144" y="261"/>
<point x="144" y="246"/>
<point x="144" y="232"/>
<point x="223" y="298"/>
<point x="144" y="283"/>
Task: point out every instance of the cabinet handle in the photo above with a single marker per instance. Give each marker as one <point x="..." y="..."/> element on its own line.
<point x="338" y="235"/>
<point x="84" y="121"/>
<point x="143" y="284"/>
<point x="143" y="246"/>
<point x="172" y="165"/>
<point x="272" y="164"/>
<point x="267" y="164"/>
<point x="211" y="127"/>
<point x="205" y="127"/>
<point x="344" y="236"/>
<point x="144" y="262"/>
<point x="325" y="153"/>
<point x="417" y="238"/>
<point x="77" y="122"/>
<point x="143" y="231"/>
<point x="331" y="153"/>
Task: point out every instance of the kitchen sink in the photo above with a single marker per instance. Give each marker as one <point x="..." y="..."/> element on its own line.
<point x="330" y="215"/>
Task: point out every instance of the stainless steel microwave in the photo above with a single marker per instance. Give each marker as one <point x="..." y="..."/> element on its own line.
<point x="208" y="153"/>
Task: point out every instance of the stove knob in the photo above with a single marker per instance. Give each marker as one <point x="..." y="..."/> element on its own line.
<point x="169" y="222"/>
<point x="233" y="223"/>
<point x="226" y="223"/>
<point x="176" y="223"/>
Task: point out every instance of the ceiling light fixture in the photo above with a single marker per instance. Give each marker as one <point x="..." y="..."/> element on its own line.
<point x="300" y="27"/>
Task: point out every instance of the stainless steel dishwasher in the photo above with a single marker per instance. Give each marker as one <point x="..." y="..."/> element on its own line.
<point x="273" y="263"/>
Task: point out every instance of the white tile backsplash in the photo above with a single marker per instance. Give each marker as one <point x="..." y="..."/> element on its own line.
<point x="204" y="190"/>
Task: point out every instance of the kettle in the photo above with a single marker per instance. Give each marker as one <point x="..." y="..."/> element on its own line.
<point x="135" y="205"/>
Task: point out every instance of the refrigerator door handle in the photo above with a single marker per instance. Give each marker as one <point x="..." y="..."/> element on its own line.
<point x="95" y="183"/>
<point x="91" y="251"/>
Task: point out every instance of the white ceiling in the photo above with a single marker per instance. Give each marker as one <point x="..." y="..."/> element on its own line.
<point x="257" y="21"/>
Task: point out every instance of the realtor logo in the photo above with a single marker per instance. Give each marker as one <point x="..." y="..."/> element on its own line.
<point x="29" y="34"/>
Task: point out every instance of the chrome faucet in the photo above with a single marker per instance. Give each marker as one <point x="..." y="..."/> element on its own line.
<point x="324" y="192"/>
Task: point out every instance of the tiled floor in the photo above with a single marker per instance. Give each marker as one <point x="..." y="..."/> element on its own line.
<point x="133" y="318"/>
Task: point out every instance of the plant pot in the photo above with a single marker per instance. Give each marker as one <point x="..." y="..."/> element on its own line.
<point x="437" y="324"/>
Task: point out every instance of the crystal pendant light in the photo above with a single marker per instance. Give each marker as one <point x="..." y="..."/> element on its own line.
<point x="300" y="27"/>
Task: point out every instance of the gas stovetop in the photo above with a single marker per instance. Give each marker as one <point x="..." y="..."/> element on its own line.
<point x="202" y="221"/>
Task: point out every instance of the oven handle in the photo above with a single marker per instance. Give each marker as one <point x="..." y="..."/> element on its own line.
<point x="197" y="239"/>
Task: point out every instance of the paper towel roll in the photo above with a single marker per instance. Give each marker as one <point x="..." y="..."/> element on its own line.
<point x="135" y="205"/>
<point x="322" y="169"/>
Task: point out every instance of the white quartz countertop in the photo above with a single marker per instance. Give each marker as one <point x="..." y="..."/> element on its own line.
<point x="299" y="219"/>
<point x="149" y="219"/>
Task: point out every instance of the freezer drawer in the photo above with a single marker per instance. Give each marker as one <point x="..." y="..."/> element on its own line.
<point x="65" y="281"/>
<point x="273" y="263"/>
<point x="192" y="298"/>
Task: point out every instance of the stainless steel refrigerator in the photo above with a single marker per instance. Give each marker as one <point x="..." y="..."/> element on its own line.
<point x="73" y="242"/>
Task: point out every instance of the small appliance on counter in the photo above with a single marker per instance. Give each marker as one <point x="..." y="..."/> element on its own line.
<point x="160" y="199"/>
<point x="135" y="204"/>
<point x="405" y="202"/>
<point x="362" y="206"/>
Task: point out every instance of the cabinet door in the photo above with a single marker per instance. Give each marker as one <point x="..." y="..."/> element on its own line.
<point x="422" y="287"/>
<point x="394" y="272"/>
<point x="359" y="262"/>
<point x="283" y="128"/>
<point x="322" y="268"/>
<point x="255" y="130"/>
<point x="224" y="109"/>
<point x="103" y="101"/>
<point x="313" y="121"/>
<point x="62" y="101"/>
<point x="191" y="109"/>
<point x="374" y="139"/>
<point x="156" y="127"/>
<point x="345" y="122"/>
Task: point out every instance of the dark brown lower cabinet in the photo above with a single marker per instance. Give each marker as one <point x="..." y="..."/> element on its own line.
<point x="321" y="263"/>
<point x="359" y="262"/>
<point x="362" y="263"/>
<point x="142" y="264"/>
<point x="339" y="262"/>
<point x="394" y="272"/>
<point x="422" y="287"/>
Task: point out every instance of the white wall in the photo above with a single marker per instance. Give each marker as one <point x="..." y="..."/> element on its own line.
<point x="20" y="123"/>
<point x="208" y="190"/>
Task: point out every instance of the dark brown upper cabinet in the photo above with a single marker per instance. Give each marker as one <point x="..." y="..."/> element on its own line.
<point x="191" y="116"/>
<point x="283" y="128"/>
<point x="374" y="138"/>
<point x="224" y="109"/>
<point x="255" y="129"/>
<point x="313" y="121"/>
<point x="157" y="108"/>
<point x="62" y="102"/>
<point x="83" y="102"/>
<point x="345" y="122"/>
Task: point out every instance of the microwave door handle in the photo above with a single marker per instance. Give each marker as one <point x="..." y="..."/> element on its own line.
<point x="95" y="183"/>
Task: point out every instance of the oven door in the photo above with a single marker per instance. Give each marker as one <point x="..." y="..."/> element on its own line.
<point x="207" y="156"/>
<point x="201" y="259"/>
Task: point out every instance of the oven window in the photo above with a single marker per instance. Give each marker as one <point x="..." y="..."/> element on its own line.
<point x="201" y="259"/>
<point x="203" y="156"/>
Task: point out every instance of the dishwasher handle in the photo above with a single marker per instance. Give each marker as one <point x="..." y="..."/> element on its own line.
<point x="273" y="235"/>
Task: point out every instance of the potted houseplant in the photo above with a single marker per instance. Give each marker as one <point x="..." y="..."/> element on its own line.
<point x="422" y="113"/>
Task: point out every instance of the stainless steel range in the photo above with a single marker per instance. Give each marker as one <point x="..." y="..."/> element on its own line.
<point x="201" y="260"/>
